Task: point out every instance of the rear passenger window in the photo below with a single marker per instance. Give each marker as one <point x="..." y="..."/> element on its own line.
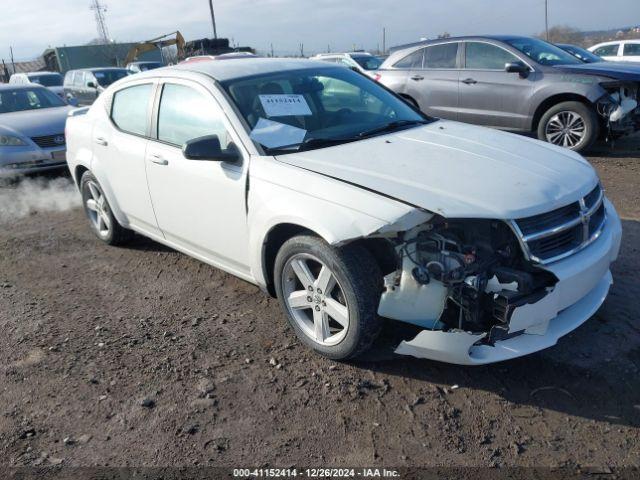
<point x="441" y="56"/>
<point x="484" y="56"/>
<point x="186" y="114"/>
<point x="78" y="79"/>
<point x="631" y="49"/>
<point x="413" y="60"/>
<point x="607" y="50"/>
<point x="130" y="109"/>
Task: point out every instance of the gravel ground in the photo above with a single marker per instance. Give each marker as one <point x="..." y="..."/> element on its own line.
<point x="144" y="356"/>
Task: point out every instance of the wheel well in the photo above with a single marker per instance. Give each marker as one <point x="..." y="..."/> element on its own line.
<point x="272" y="243"/>
<point x="554" y="100"/>
<point x="381" y="250"/>
<point x="80" y="169"/>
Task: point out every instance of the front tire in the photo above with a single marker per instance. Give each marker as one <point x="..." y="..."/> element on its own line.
<point x="330" y="295"/>
<point x="103" y="224"/>
<point x="572" y="125"/>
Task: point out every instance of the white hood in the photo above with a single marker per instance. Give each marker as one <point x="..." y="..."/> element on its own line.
<point x="458" y="170"/>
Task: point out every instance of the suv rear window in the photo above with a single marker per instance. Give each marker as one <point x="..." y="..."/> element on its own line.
<point x="413" y="60"/>
<point x="441" y="56"/>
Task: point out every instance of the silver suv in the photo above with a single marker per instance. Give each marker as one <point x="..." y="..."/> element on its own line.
<point x="517" y="83"/>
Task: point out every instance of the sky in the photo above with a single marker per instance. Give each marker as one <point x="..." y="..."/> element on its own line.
<point x="31" y="26"/>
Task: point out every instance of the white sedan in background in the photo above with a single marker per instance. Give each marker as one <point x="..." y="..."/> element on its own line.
<point x="618" y="51"/>
<point x="333" y="194"/>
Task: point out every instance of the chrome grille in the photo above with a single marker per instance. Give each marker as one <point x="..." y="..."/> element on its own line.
<point x="554" y="235"/>
<point x="50" y="141"/>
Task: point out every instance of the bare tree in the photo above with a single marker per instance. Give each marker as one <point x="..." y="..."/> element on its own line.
<point x="564" y="34"/>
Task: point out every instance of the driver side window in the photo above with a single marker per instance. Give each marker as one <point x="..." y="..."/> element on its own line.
<point x="484" y="56"/>
<point x="186" y="114"/>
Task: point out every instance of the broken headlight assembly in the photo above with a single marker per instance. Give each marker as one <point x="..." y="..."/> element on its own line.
<point x="466" y="274"/>
<point x="619" y="108"/>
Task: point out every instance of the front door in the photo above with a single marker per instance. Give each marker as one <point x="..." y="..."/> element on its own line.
<point x="200" y="205"/>
<point x="489" y="95"/>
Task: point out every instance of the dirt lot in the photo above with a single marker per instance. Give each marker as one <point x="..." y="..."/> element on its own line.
<point x="143" y="356"/>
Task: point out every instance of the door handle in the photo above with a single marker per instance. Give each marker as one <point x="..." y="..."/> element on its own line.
<point x="417" y="78"/>
<point x="469" y="81"/>
<point x="101" y="141"/>
<point x="159" y="159"/>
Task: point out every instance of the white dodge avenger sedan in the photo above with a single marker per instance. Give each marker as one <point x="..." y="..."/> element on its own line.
<point x="333" y="194"/>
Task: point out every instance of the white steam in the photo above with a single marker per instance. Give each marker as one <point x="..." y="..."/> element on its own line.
<point x="34" y="195"/>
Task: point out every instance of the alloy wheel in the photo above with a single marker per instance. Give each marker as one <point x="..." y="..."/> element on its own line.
<point x="315" y="299"/>
<point x="97" y="209"/>
<point x="566" y="129"/>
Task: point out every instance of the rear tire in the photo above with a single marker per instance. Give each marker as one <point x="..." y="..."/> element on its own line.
<point x="572" y="125"/>
<point x="103" y="224"/>
<point x="330" y="295"/>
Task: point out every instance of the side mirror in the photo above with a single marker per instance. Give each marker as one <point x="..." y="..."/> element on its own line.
<point x="208" y="148"/>
<point x="92" y="84"/>
<point x="517" y="67"/>
<point x="73" y="101"/>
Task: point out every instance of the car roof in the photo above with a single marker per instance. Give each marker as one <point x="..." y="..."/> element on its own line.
<point x="96" y="69"/>
<point x="14" y="86"/>
<point x="498" y="38"/>
<point x="239" y="67"/>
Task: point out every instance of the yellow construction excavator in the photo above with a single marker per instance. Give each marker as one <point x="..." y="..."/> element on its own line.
<point x="157" y="43"/>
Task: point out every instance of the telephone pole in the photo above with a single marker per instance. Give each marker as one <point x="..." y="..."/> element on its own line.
<point x="384" y="40"/>
<point x="546" y="19"/>
<point x="213" y="19"/>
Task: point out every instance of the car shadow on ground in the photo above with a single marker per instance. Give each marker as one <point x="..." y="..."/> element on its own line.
<point x="592" y="372"/>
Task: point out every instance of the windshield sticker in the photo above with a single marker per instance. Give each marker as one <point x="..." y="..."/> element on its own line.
<point x="276" y="134"/>
<point x="98" y="74"/>
<point x="283" y="105"/>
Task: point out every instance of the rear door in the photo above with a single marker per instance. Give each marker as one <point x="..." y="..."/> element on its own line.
<point x="489" y="95"/>
<point x="120" y="147"/>
<point x="433" y="81"/>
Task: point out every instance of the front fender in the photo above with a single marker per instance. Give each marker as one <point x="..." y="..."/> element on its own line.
<point x="336" y="211"/>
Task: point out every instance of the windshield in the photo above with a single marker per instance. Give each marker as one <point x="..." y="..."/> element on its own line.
<point x="107" y="77"/>
<point x="367" y="62"/>
<point x="149" y="66"/>
<point x="584" y="55"/>
<point x="28" y="99"/>
<point x="49" y="80"/>
<point x="542" y="52"/>
<point x="313" y="108"/>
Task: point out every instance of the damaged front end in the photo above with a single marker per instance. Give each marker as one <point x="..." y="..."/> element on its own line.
<point x="619" y="108"/>
<point x="476" y="298"/>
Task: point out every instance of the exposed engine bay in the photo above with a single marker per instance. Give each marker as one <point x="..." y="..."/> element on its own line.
<point x="619" y="108"/>
<point x="462" y="275"/>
